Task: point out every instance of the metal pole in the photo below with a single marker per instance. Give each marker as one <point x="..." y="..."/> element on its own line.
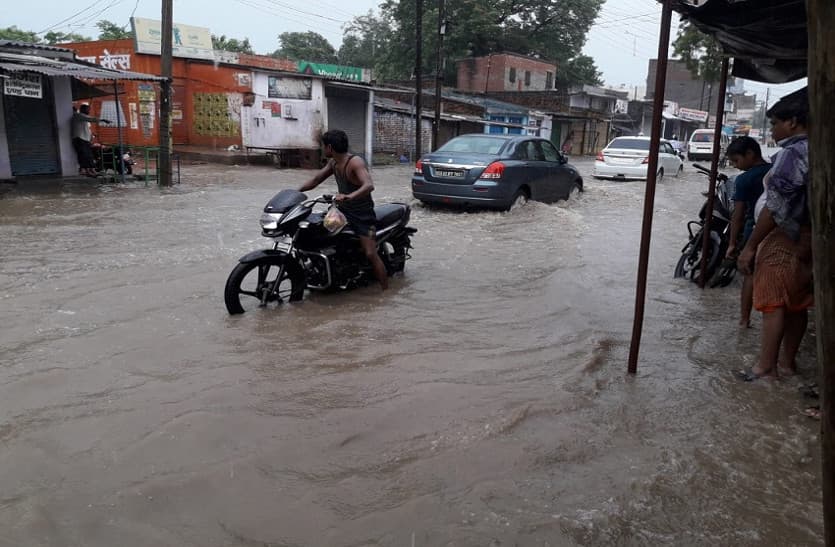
<point x="652" y="172"/>
<point x="165" y="99"/>
<point x="418" y="78"/>
<point x="714" y="169"/>
<point x="119" y="128"/>
<point x="765" y="118"/>
<point x="439" y="76"/>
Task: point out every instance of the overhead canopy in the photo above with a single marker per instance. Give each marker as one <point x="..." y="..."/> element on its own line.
<point x="83" y="90"/>
<point x="767" y="38"/>
<point x="13" y="62"/>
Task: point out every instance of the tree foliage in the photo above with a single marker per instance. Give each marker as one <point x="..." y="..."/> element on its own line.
<point x="111" y="31"/>
<point x="307" y="46"/>
<point x="551" y="30"/>
<point x="19" y="35"/>
<point x="55" y="37"/>
<point x="579" y="70"/>
<point x="231" y="44"/>
<point x="700" y="52"/>
<point x="51" y="37"/>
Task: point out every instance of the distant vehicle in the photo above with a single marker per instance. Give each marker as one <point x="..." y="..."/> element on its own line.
<point x="700" y="146"/>
<point x="498" y="171"/>
<point x="628" y="158"/>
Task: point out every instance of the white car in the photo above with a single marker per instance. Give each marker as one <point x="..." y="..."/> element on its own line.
<point x="628" y="158"/>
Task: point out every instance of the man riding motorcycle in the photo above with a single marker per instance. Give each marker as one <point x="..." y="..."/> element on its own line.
<point x="354" y="198"/>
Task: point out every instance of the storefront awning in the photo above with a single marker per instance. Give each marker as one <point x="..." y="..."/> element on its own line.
<point x="768" y="39"/>
<point x="12" y="62"/>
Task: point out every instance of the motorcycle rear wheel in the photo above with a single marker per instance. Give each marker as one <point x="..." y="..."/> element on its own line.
<point x="394" y="256"/>
<point x="252" y="280"/>
<point x="690" y="263"/>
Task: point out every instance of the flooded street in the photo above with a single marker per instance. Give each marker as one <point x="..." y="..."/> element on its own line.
<point x="483" y="400"/>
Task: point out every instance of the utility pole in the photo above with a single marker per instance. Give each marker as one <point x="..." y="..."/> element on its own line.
<point x="765" y="117"/>
<point x="439" y="76"/>
<point x="418" y="77"/>
<point x="821" y="17"/>
<point x="165" y="100"/>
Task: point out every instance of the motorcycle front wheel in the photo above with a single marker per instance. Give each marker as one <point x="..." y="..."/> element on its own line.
<point x="253" y="284"/>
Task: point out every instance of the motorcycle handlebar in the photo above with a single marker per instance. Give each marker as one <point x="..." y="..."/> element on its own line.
<point x="706" y="171"/>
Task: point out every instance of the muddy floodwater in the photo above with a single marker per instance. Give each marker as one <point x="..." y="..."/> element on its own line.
<point x="482" y="401"/>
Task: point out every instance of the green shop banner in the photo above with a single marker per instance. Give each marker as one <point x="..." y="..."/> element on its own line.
<point x="339" y="72"/>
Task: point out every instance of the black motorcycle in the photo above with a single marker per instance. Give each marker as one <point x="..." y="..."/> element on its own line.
<point x="306" y="255"/>
<point x="720" y="273"/>
<point x="119" y="159"/>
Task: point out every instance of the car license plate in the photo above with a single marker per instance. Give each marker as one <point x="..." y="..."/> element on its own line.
<point x="449" y="174"/>
<point x="621" y="161"/>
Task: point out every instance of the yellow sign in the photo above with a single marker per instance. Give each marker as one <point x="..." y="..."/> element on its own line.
<point x="187" y="41"/>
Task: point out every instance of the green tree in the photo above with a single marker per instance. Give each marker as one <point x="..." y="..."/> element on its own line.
<point x="578" y="70"/>
<point x="550" y="30"/>
<point x="111" y="31"/>
<point x="365" y="42"/>
<point x="54" y="37"/>
<point x="700" y="52"/>
<point x="307" y="46"/>
<point x="231" y="44"/>
<point x="14" y="33"/>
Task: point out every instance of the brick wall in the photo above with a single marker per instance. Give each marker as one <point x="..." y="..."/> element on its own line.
<point x="550" y="101"/>
<point x="448" y="106"/>
<point x="264" y="61"/>
<point x="394" y="132"/>
<point x="493" y="73"/>
<point x="682" y="88"/>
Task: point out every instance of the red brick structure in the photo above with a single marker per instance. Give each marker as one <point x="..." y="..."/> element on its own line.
<point x="505" y="72"/>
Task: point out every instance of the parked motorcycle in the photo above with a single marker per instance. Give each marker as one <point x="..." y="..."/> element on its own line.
<point x="689" y="265"/>
<point x="306" y="255"/>
<point x="107" y="157"/>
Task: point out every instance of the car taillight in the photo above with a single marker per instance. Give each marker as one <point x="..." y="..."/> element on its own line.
<point x="646" y="160"/>
<point x="494" y="171"/>
<point x="600" y="156"/>
<point x="419" y="167"/>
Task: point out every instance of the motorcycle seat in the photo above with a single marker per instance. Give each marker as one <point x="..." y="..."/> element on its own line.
<point x="390" y="213"/>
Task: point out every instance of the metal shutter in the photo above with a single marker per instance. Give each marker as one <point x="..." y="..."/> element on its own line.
<point x="347" y="111"/>
<point x="30" y="128"/>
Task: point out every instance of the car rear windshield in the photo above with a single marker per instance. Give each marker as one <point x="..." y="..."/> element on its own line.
<point x="630" y="144"/>
<point x="701" y="137"/>
<point x="475" y="144"/>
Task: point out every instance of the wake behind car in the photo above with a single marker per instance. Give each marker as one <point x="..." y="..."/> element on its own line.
<point x="628" y="158"/>
<point x="497" y="171"/>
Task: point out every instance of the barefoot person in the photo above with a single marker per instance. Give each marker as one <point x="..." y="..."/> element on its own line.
<point x="354" y="198"/>
<point x="744" y="154"/>
<point x="781" y="243"/>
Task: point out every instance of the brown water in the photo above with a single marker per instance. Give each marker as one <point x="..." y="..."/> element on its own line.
<point x="481" y="401"/>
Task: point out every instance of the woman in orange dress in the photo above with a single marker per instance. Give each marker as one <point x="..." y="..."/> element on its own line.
<point x="782" y="243"/>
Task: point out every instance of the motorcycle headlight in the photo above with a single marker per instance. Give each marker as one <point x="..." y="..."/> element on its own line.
<point x="269" y="221"/>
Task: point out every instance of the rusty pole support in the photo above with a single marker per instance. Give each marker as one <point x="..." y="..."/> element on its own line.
<point x="652" y="175"/>
<point x="821" y="16"/>
<point x="714" y="170"/>
<point x="418" y="79"/>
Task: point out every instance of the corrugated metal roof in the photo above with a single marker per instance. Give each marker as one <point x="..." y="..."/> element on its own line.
<point x="28" y="45"/>
<point x="10" y="62"/>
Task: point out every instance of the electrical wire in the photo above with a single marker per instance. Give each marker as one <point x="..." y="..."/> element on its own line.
<point x="71" y="17"/>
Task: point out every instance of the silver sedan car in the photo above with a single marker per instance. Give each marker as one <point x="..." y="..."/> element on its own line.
<point x="627" y="158"/>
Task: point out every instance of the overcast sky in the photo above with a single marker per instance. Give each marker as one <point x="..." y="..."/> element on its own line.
<point x="624" y="38"/>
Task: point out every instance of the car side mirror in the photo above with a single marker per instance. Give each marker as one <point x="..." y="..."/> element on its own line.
<point x="563" y="159"/>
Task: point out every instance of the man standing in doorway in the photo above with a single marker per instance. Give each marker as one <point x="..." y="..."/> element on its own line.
<point x="82" y="137"/>
<point x="354" y="198"/>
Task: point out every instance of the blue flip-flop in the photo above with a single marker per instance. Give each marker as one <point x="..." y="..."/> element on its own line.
<point x="748" y="375"/>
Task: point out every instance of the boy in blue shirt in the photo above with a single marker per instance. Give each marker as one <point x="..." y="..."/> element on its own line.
<point x="744" y="153"/>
